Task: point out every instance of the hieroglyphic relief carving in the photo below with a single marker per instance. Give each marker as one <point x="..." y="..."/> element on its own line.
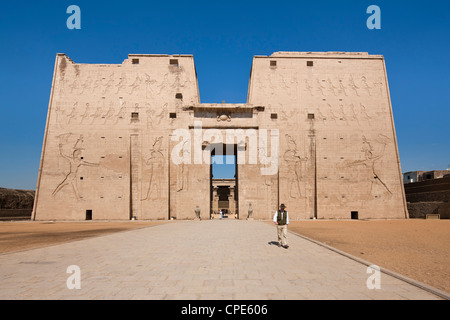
<point x="365" y="86"/>
<point x="293" y="162"/>
<point x="319" y="87"/>
<point x="352" y="115"/>
<point x="109" y="84"/>
<point x="309" y="87"/>
<point x="347" y="114"/>
<point x="86" y="85"/>
<point x="136" y="84"/>
<point x="110" y="113"/>
<point x="86" y="113"/>
<point x="122" y="111"/>
<point x="343" y="86"/>
<point x="122" y="83"/>
<point x="352" y="85"/>
<point x="286" y="115"/>
<point x="59" y="113"/>
<point x="185" y="80"/>
<point x="73" y="113"/>
<point x="373" y="152"/>
<point x="149" y="83"/>
<point x="154" y="116"/>
<point x="96" y="115"/>
<point x="373" y="156"/>
<point x="363" y="114"/>
<point x="75" y="162"/>
<point x="224" y="117"/>
<point x="288" y="83"/>
<point x="74" y="85"/>
<point x="330" y="113"/>
<point x="379" y="87"/>
<point x="182" y="172"/>
<point x="331" y="87"/>
<point x="155" y="168"/>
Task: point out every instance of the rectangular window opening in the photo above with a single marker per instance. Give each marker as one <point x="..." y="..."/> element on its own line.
<point x="273" y="63"/>
<point x="273" y="116"/>
<point x="174" y="62"/>
<point x="310" y="63"/>
<point x="354" y="215"/>
<point x="172" y="115"/>
<point x="310" y="116"/>
<point x="179" y="96"/>
<point x="135" y="61"/>
<point x="135" y="115"/>
<point x="88" y="214"/>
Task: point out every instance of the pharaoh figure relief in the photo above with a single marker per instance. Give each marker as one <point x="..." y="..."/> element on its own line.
<point x="154" y="168"/>
<point x="373" y="152"/>
<point x="75" y="162"/>
<point x="293" y="162"/>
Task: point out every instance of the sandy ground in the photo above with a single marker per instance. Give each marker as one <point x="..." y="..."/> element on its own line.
<point x="17" y="236"/>
<point x="418" y="249"/>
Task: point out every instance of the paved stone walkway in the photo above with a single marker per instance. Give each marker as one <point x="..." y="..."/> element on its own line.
<point x="185" y="260"/>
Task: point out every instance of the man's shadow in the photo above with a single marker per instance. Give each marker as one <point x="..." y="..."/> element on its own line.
<point x="273" y="243"/>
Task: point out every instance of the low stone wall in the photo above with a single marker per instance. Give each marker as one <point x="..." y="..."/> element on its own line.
<point x="15" y="214"/>
<point x="16" y="204"/>
<point x="428" y="197"/>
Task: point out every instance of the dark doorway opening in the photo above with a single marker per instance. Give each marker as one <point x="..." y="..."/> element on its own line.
<point x="224" y="181"/>
<point x="88" y="214"/>
<point x="354" y="215"/>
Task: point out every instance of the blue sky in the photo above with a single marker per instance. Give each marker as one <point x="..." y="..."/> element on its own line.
<point x="223" y="36"/>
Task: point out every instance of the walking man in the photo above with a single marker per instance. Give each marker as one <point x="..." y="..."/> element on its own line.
<point x="281" y="219"/>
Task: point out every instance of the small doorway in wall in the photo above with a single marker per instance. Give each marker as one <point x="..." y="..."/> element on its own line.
<point x="354" y="215"/>
<point x="88" y="214"/>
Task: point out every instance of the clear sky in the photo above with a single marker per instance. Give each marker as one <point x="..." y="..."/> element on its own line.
<point x="223" y="36"/>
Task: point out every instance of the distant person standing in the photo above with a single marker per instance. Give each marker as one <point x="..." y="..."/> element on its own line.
<point x="281" y="219"/>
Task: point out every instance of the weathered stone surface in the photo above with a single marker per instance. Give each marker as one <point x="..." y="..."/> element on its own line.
<point x="133" y="140"/>
<point x="428" y="197"/>
<point x="16" y="199"/>
<point x="16" y="204"/>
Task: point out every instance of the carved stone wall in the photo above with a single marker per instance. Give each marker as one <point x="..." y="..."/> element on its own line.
<point x="132" y="140"/>
<point x="338" y="148"/>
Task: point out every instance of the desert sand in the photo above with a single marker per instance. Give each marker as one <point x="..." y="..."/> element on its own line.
<point x="418" y="249"/>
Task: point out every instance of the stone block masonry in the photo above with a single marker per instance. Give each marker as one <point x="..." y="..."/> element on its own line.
<point x="316" y="133"/>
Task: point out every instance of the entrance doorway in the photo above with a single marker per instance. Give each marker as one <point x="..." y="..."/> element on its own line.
<point x="224" y="183"/>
